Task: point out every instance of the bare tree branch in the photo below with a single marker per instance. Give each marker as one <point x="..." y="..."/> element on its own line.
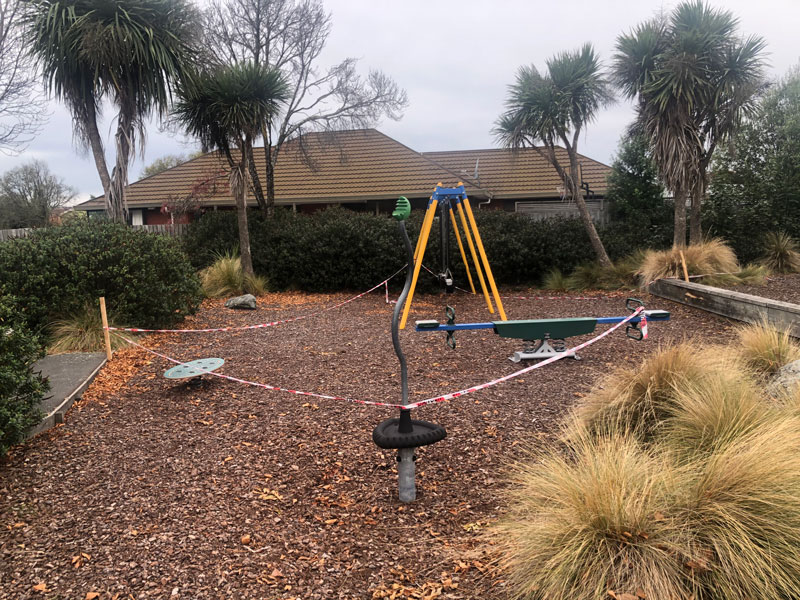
<point x="290" y="35"/>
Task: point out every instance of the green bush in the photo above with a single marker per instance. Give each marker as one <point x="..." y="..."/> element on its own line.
<point x="146" y="278"/>
<point x="21" y="389"/>
<point x="338" y="249"/>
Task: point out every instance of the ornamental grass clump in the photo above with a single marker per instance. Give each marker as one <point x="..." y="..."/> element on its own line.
<point x="82" y="331"/>
<point x="711" y="257"/>
<point x="637" y="400"/>
<point x="781" y="253"/>
<point x="740" y="511"/>
<point x="765" y="349"/>
<point x="226" y="278"/>
<point x="593" y="521"/>
<point x="679" y="479"/>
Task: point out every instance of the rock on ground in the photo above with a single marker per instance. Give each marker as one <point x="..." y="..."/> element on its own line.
<point x="785" y="380"/>
<point x="247" y="301"/>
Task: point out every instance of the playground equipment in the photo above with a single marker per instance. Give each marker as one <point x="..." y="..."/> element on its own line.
<point x="405" y="434"/>
<point x="444" y="199"/>
<point x="544" y="338"/>
<point x="194" y="370"/>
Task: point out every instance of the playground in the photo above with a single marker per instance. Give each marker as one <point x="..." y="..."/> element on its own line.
<point x="156" y="488"/>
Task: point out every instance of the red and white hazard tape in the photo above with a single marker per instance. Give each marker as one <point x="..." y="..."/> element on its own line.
<point x="263" y="325"/>
<point x="433" y="400"/>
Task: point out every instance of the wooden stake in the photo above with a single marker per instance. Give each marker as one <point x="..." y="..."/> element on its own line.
<point x="683" y="264"/>
<point x="106" y="335"/>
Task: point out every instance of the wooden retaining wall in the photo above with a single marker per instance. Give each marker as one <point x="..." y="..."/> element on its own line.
<point x="734" y="305"/>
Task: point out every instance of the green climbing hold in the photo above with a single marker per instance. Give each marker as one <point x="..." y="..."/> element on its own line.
<point x="403" y="209"/>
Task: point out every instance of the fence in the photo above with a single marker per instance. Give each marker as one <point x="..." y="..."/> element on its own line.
<point x="7" y="234"/>
<point x="175" y="230"/>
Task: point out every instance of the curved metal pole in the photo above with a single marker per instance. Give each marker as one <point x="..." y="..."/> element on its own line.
<point x="398" y="307"/>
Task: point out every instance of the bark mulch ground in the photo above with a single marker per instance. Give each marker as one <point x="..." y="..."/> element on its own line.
<point x="785" y="288"/>
<point x="154" y="489"/>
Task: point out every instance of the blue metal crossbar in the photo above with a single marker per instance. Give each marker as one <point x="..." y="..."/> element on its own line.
<point x="651" y="315"/>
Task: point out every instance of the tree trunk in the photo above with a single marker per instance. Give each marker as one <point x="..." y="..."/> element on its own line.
<point x="695" y="225"/>
<point x="583" y="210"/>
<point x="255" y="181"/>
<point x="96" y="145"/>
<point x="119" y="175"/>
<point x="241" y="216"/>
<point x="270" y="179"/>
<point x="679" y="236"/>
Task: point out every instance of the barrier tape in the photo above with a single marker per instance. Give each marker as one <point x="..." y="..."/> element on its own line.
<point x="263" y="325"/>
<point x="434" y="400"/>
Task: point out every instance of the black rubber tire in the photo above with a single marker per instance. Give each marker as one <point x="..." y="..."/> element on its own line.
<point x="386" y="435"/>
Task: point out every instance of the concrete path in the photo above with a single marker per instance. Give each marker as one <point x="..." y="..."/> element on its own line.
<point x="69" y="375"/>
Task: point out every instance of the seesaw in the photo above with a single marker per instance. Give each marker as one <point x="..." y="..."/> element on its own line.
<point x="544" y="338"/>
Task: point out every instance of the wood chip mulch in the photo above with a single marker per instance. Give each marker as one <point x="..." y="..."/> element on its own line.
<point x="785" y="288"/>
<point x="155" y="489"/>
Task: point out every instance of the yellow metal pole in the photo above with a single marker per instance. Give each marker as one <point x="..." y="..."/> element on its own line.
<point x="461" y="248"/>
<point x="474" y="255"/>
<point x="104" y="318"/>
<point x="485" y="260"/>
<point x="429" y="215"/>
<point x="421" y="244"/>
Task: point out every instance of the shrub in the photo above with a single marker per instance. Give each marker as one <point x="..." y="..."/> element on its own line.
<point x="82" y="331"/>
<point x="765" y="349"/>
<point x="146" y="278"/>
<point x="225" y="278"/>
<point x="591" y="523"/>
<point x="781" y="253"/>
<point x="555" y="280"/>
<point x="21" y="389"/>
<point x="710" y="257"/>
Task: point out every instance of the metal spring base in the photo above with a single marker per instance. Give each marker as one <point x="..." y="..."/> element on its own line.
<point x="538" y="349"/>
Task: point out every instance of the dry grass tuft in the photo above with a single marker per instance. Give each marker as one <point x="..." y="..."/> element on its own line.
<point x="225" y="278"/>
<point x="637" y="400"/>
<point x="741" y="511"/>
<point x="592" y="522"/>
<point x="713" y="256"/>
<point x="82" y="332"/>
<point x="765" y="349"/>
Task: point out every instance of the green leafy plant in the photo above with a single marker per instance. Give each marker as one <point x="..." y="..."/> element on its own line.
<point x="146" y="278"/>
<point x="21" y="389"/>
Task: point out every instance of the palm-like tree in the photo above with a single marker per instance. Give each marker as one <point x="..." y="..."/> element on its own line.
<point x="544" y="111"/>
<point x="695" y="80"/>
<point x="226" y="109"/>
<point x="129" y="52"/>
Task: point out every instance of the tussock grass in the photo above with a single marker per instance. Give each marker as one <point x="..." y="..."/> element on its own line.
<point x="712" y="256"/>
<point x="593" y="276"/>
<point x="781" y="253"/>
<point x="678" y="479"/>
<point x="225" y="278"/>
<point x="741" y="511"/>
<point x="555" y="280"/>
<point x="82" y="332"/>
<point x="637" y="400"/>
<point x="593" y="521"/>
<point x="765" y="349"/>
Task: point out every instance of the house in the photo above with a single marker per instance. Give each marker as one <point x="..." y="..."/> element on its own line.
<point x="365" y="170"/>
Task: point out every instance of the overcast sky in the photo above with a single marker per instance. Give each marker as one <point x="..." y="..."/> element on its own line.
<point x="455" y="58"/>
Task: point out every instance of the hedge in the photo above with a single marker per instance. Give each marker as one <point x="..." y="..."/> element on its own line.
<point x="146" y="278"/>
<point x="338" y="249"/>
<point x="21" y="389"/>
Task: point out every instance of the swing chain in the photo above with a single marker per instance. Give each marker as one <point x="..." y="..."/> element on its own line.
<point x="632" y="331"/>
<point x="451" y="320"/>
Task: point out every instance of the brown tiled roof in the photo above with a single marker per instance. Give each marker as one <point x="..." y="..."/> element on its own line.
<point x="360" y="165"/>
<point x="365" y="165"/>
<point x="519" y="174"/>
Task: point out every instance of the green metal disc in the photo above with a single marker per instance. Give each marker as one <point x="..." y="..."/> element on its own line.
<point x="194" y="368"/>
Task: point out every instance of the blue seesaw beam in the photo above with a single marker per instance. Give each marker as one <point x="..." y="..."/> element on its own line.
<point x="512" y="328"/>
